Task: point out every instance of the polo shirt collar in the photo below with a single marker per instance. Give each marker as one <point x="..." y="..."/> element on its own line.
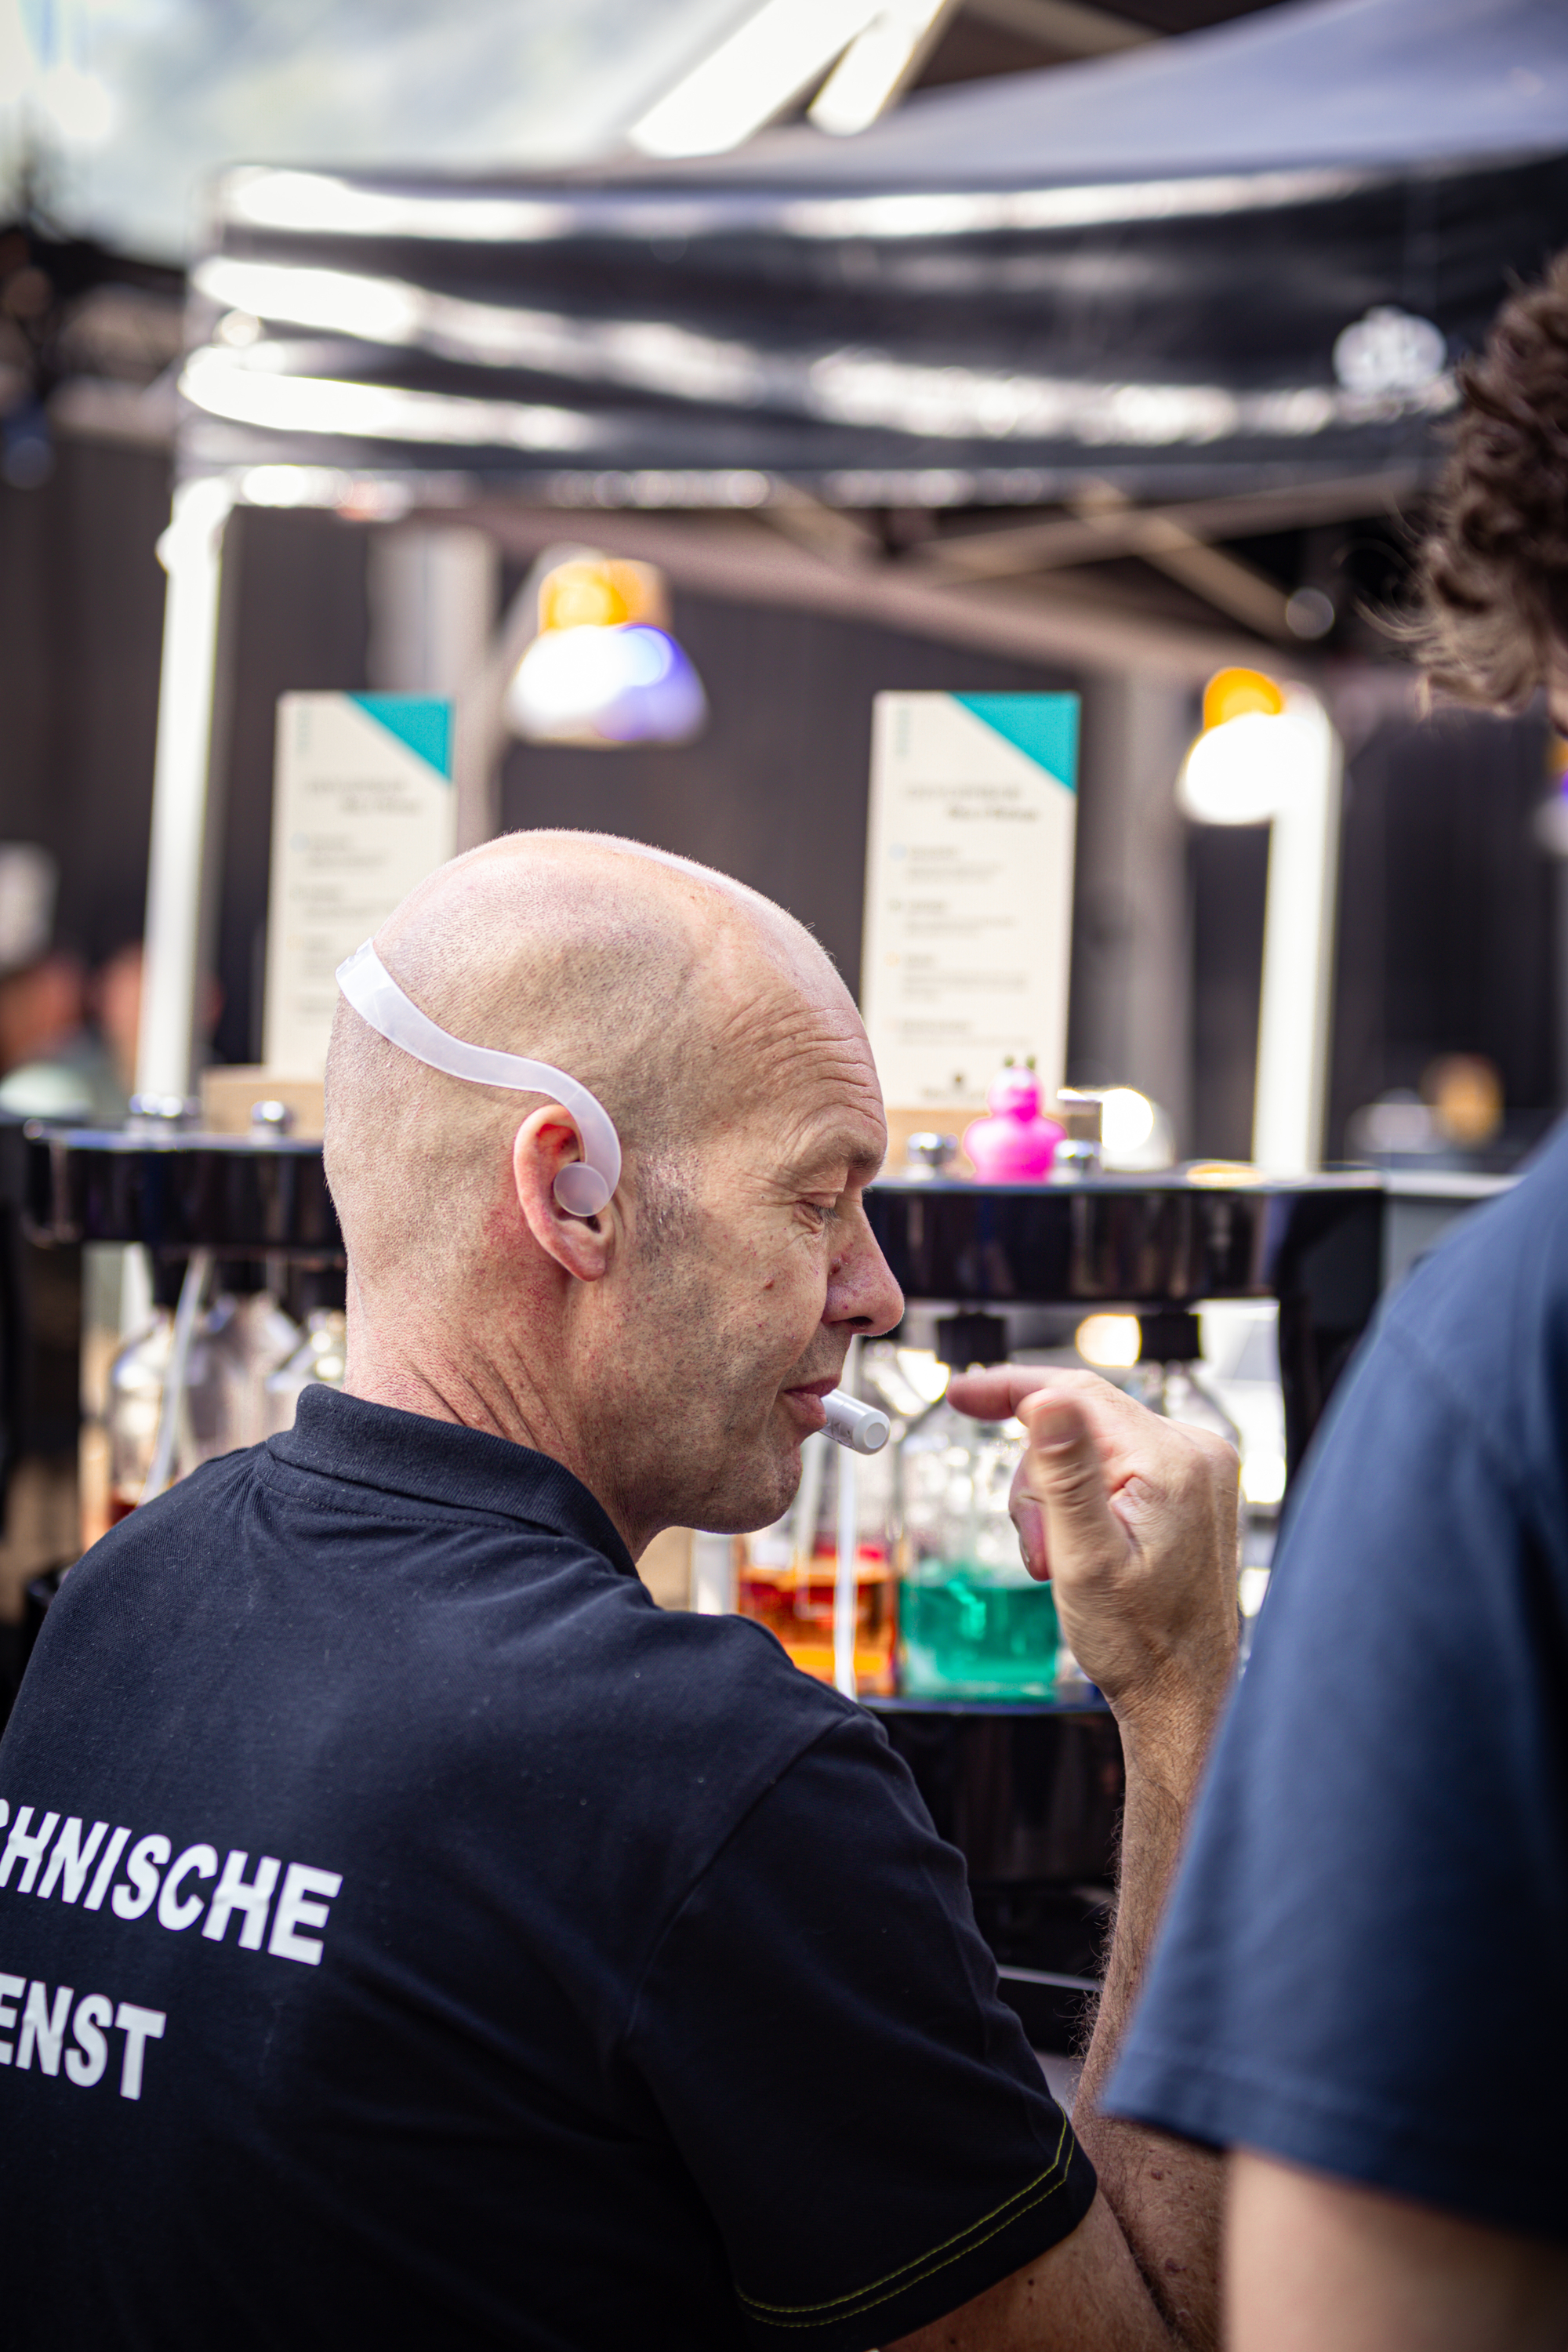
<point x="350" y="1440"/>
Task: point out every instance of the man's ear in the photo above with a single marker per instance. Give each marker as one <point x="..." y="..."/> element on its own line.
<point x="544" y="1144"/>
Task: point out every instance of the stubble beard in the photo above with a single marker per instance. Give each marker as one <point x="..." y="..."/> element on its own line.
<point x="708" y="1463"/>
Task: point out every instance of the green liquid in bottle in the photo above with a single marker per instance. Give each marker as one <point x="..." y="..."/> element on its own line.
<point x="969" y="1632"/>
<point x="972" y="1623"/>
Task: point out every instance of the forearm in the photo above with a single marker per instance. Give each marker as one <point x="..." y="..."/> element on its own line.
<point x="1166" y="2193"/>
<point x="1316" y="2261"/>
<point x="1134" y="1518"/>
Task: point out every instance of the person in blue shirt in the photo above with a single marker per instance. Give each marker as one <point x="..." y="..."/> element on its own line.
<point x="1361" y="1990"/>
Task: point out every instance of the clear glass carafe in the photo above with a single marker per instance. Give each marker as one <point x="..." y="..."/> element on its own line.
<point x="322" y="1355"/>
<point x="973" y="1622"/>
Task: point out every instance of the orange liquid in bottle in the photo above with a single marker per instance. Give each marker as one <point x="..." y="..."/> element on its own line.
<point x="796" y="1604"/>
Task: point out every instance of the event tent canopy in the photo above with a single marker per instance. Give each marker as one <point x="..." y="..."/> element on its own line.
<point x="1242" y="258"/>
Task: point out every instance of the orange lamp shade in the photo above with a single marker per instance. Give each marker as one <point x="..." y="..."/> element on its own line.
<point x="1232" y="692"/>
<point x="600" y="592"/>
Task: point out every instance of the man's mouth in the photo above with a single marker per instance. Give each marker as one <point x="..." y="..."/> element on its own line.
<point x="804" y="1400"/>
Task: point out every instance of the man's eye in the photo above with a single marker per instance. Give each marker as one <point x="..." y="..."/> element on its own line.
<point x="818" y="1211"/>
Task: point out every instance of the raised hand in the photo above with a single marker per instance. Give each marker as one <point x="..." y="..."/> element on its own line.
<point x="1133" y="1519"/>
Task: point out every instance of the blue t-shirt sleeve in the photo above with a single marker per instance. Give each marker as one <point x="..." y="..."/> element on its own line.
<point x="821" y="2031"/>
<point x="1376" y="1890"/>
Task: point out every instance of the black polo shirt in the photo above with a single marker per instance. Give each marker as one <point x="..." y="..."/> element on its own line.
<point x="408" y="1933"/>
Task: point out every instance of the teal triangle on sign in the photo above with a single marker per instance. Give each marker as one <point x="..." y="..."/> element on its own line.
<point x="1044" y="727"/>
<point x="423" y="721"/>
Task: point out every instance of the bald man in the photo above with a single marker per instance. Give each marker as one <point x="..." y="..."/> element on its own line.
<point x="409" y="1934"/>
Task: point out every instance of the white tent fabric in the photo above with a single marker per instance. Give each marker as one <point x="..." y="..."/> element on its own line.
<point x="1364" y="83"/>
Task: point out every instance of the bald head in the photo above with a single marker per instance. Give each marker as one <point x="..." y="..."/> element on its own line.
<point x="667" y="989"/>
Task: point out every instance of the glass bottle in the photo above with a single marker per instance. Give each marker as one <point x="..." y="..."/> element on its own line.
<point x="239" y="1340"/>
<point x="245" y="1338"/>
<point x="973" y="1622"/>
<point x="788" y="1572"/>
<point x="322" y="1355"/>
<point x="1169" y="1378"/>
<point x="135" y="1396"/>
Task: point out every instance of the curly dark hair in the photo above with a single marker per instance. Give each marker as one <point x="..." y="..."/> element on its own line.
<point x="1493" y="572"/>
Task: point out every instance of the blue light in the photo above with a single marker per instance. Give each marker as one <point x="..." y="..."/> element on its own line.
<point x="660" y="698"/>
<point x="630" y="683"/>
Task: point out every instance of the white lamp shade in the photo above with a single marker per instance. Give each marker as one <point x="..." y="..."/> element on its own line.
<point x="627" y="684"/>
<point x="1246" y="771"/>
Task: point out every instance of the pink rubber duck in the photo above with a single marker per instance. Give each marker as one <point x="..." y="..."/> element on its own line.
<point x="1016" y="1144"/>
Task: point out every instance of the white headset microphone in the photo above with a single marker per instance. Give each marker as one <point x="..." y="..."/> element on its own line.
<point x="586" y="1185"/>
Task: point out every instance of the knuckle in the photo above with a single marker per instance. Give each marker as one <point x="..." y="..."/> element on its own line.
<point x="1078" y="1502"/>
<point x="1209" y="1456"/>
<point x="1072" y="1481"/>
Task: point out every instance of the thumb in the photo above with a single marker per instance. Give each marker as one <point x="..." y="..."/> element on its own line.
<point x="1059" y="1502"/>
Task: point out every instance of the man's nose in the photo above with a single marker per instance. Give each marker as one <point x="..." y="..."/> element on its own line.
<point x="861" y="1289"/>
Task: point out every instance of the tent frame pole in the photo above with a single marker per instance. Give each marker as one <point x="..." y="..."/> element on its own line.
<point x="180" y="876"/>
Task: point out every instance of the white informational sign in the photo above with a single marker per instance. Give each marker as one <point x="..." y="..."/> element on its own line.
<point x="362" y="808"/>
<point x="968" y="891"/>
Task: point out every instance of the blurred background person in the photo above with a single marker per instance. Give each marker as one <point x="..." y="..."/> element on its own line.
<point x="67" y="1039"/>
<point x="41" y="1011"/>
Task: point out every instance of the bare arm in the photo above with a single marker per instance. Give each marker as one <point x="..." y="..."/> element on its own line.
<point x="1315" y="2262"/>
<point x="1134" y="1518"/>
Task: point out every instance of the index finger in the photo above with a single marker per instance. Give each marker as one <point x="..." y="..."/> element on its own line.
<point x="1122" y="1428"/>
<point x="995" y="1393"/>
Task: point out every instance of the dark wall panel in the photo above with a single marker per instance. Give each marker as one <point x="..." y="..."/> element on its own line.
<point x="1447" y="936"/>
<point x="1447" y="931"/>
<point x="81" y="618"/>
<point x="1229" y="869"/>
<point x="294" y="619"/>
